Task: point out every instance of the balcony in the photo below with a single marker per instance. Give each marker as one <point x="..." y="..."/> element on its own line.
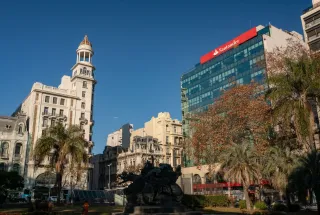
<point x="16" y="157"/>
<point x="45" y="113"/>
<point x="4" y="156"/>
<point x="83" y="120"/>
<point x="313" y="23"/>
<point x="314" y="37"/>
<point x="90" y="143"/>
<point x="62" y="117"/>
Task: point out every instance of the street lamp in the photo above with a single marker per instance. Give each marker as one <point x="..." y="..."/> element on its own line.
<point x="71" y="189"/>
<point x="109" y="174"/>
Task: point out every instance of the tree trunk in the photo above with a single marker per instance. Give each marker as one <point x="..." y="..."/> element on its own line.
<point x="59" y="185"/>
<point x="246" y="196"/>
<point x="288" y="197"/>
<point x="311" y="141"/>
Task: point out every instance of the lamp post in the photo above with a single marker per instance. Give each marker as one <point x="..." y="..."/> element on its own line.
<point x="109" y="174"/>
<point x="71" y="194"/>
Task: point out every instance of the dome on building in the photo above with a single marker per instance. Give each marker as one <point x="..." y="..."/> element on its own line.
<point x="85" y="41"/>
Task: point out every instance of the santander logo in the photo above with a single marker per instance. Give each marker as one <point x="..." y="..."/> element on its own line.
<point x="229" y="45"/>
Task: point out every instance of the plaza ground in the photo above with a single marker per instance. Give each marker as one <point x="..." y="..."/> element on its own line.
<point x="107" y="210"/>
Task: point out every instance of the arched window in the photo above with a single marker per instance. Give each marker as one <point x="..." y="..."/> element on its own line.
<point x="16" y="168"/>
<point x="196" y="179"/>
<point x="83" y="105"/>
<point x="20" y="129"/>
<point x="3" y="167"/>
<point x="84" y="70"/>
<point x="17" y="150"/>
<point x="84" y="84"/>
<point x="4" y="149"/>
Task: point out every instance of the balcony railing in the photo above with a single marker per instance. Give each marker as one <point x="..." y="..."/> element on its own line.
<point x="313" y="23"/>
<point x="4" y="155"/>
<point x="84" y="120"/>
<point x="16" y="157"/>
<point x="314" y="37"/>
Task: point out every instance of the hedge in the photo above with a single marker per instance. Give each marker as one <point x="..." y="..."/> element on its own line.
<point x="242" y="204"/>
<point x="201" y="201"/>
<point x="260" y="205"/>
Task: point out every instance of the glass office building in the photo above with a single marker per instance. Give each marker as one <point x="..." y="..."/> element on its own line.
<point x="206" y="81"/>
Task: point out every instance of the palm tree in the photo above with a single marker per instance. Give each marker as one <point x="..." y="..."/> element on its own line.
<point x="294" y="80"/>
<point x="66" y="147"/>
<point x="240" y="164"/>
<point x="308" y="171"/>
<point x="279" y="164"/>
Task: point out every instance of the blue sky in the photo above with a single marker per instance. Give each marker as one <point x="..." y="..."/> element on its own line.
<point x="142" y="47"/>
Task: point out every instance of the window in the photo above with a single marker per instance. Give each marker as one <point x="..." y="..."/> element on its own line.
<point x="53" y="111"/>
<point x="54" y="100"/>
<point x="83" y="94"/>
<point x="3" y="167"/>
<point x="84" y="84"/>
<point x="4" y="149"/>
<point x="20" y="129"/>
<point x="81" y="126"/>
<point x="71" y="102"/>
<point x="37" y="96"/>
<point x="46" y="110"/>
<point x="82" y="115"/>
<point x="61" y="112"/>
<point x="44" y="132"/>
<point x="45" y="122"/>
<point x="167" y="139"/>
<point x="175" y="129"/>
<point x="62" y="102"/>
<point x="47" y="98"/>
<point x="53" y="122"/>
<point x="17" y="150"/>
<point x="83" y="105"/>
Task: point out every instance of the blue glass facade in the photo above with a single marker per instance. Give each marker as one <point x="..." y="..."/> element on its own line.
<point x="205" y="82"/>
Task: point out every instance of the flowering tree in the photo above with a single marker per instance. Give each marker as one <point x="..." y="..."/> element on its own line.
<point x="240" y="115"/>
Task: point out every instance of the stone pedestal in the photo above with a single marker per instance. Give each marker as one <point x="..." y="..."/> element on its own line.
<point x="144" y="210"/>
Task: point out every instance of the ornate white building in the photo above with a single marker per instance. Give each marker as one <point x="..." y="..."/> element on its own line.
<point x="13" y="143"/>
<point x="70" y="103"/>
<point x="160" y="137"/>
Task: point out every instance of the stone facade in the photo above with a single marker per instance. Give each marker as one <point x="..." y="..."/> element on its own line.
<point x="69" y="103"/>
<point x="14" y="138"/>
<point x="160" y="137"/>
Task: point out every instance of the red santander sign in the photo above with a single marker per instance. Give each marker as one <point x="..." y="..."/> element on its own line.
<point x="229" y="45"/>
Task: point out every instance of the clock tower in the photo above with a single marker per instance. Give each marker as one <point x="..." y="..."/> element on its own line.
<point x="83" y="83"/>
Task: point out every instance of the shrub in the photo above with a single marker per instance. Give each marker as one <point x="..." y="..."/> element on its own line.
<point x="217" y="201"/>
<point x="279" y="207"/>
<point x="294" y="208"/>
<point x="260" y="205"/>
<point x="242" y="204"/>
<point x="202" y="201"/>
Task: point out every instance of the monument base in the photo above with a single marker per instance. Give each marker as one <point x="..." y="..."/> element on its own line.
<point x="144" y="210"/>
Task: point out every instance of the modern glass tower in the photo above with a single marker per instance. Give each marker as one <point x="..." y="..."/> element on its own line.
<point x="239" y="61"/>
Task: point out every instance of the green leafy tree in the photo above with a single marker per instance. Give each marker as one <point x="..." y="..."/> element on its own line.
<point x="9" y="181"/>
<point x="65" y="146"/>
<point x="294" y="80"/>
<point x="307" y="174"/>
<point x="240" y="164"/>
<point x="279" y="165"/>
